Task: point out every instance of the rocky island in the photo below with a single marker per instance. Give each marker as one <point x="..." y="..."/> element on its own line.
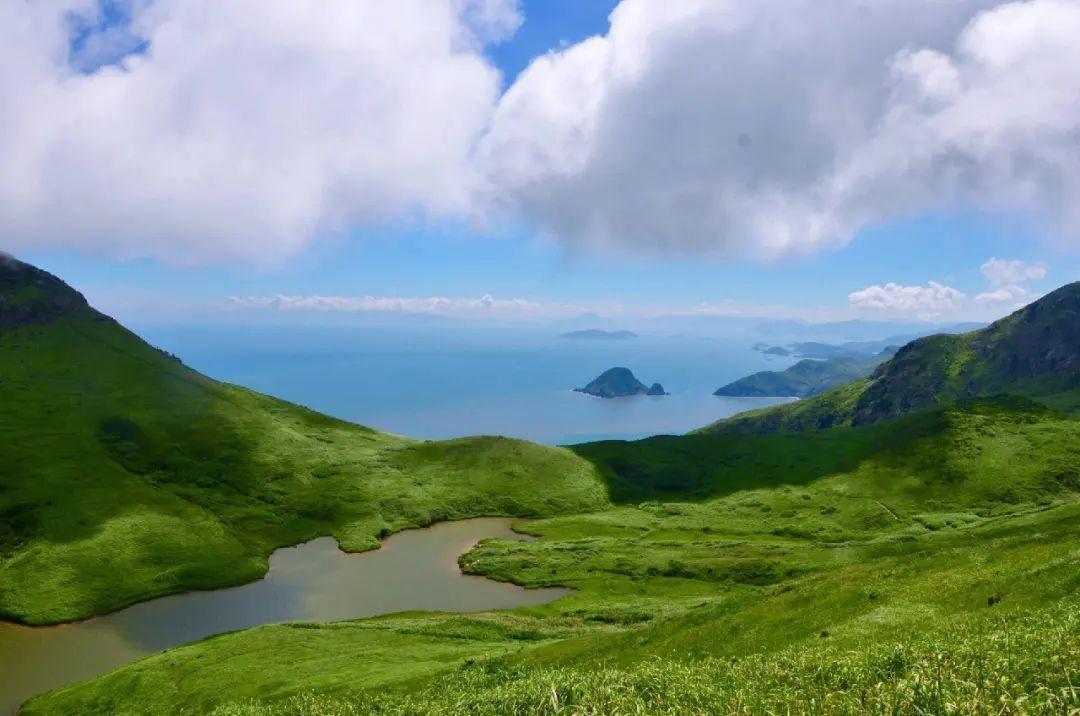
<point x="619" y="383"/>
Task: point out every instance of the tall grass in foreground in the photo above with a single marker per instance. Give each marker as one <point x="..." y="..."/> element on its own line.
<point x="1020" y="665"/>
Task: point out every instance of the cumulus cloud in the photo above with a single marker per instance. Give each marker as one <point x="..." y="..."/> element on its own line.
<point x="245" y="128"/>
<point x="927" y="301"/>
<point x="1004" y="276"/>
<point x="207" y="130"/>
<point x="1005" y="279"/>
<point x="781" y="127"/>
<point x="1002" y="294"/>
<point x="1000" y="272"/>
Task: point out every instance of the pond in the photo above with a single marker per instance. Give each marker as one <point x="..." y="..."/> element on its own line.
<point x="315" y="581"/>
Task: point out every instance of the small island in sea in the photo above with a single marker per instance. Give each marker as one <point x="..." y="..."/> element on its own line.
<point x="619" y="383"/>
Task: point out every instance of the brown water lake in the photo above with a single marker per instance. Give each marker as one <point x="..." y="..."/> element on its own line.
<point x="315" y="581"/>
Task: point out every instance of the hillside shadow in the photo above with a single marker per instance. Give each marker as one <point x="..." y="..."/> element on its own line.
<point x="703" y="466"/>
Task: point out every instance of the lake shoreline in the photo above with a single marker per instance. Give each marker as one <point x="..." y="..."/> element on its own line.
<point x="413" y="569"/>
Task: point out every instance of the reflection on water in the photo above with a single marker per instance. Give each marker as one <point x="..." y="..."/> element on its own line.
<point x="315" y="581"/>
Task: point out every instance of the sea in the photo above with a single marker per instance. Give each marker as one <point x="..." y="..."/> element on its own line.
<point x="438" y="383"/>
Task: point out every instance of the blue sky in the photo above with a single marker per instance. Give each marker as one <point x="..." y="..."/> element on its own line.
<point x="525" y="258"/>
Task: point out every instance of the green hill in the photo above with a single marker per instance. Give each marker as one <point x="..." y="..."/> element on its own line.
<point x="125" y="475"/>
<point x="1035" y="352"/>
<point x="927" y="562"/>
<point x="805" y="378"/>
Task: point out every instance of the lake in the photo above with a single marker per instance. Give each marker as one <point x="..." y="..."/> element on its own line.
<point x="315" y="581"/>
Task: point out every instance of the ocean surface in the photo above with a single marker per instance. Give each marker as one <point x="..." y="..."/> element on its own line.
<point x="438" y="383"/>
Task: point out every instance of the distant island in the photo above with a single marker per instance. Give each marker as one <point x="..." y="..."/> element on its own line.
<point x="805" y="378"/>
<point x="772" y="350"/>
<point x="619" y="383"/>
<point x="856" y="349"/>
<point x="597" y="334"/>
<point x="815" y="350"/>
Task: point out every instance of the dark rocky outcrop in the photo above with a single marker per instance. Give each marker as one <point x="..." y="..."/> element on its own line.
<point x="30" y="296"/>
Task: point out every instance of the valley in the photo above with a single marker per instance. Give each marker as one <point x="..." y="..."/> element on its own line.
<point x="763" y="563"/>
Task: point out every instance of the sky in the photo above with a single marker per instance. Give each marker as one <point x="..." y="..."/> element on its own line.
<point x="502" y="161"/>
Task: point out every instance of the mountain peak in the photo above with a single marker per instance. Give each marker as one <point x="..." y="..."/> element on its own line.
<point x="29" y="295"/>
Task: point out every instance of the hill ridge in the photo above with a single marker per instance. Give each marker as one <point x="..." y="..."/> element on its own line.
<point x="1033" y="352"/>
<point x="30" y="295"/>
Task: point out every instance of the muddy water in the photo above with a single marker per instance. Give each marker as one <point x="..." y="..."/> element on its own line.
<point x="314" y="581"/>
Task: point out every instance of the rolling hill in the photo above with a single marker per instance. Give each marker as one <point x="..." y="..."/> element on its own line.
<point x="921" y="556"/>
<point x="126" y="475"/>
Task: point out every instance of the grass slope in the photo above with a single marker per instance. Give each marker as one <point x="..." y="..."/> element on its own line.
<point x="1034" y="352"/>
<point x="125" y="475"/>
<point x="926" y="563"/>
<point x="1019" y="663"/>
<point x="805" y="378"/>
<point x="923" y="565"/>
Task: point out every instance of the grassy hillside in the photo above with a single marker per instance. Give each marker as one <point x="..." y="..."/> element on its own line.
<point x="923" y="561"/>
<point x="125" y="475"/>
<point x="1014" y="663"/>
<point x="805" y="378"/>
<point x="926" y="561"/>
<point x="1034" y="352"/>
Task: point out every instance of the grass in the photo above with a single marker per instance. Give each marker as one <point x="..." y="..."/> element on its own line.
<point x="124" y="475"/>
<point x="938" y="541"/>
<point x="1014" y="664"/>
<point x="926" y="563"/>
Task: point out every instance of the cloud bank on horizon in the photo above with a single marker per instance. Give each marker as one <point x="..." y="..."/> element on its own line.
<point x="1006" y="292"/>
<point x="206" y="131"/>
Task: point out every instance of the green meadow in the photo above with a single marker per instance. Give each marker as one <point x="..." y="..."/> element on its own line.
<point x="901" y="554"/>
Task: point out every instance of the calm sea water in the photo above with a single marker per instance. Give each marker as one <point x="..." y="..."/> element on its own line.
<point x="437" y="383"/>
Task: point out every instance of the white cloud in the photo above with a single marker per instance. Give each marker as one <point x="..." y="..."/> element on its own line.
<point x="780" y="127"/>
<point x="1000" y="272"/>
<point x="769" y="128"/>
<point x="1005" y="278"/>
<point x="1002" y="294"/>
<point x="247" y="128"/>
<point x="484" y="306"/>
<point x="928" y="301"/>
